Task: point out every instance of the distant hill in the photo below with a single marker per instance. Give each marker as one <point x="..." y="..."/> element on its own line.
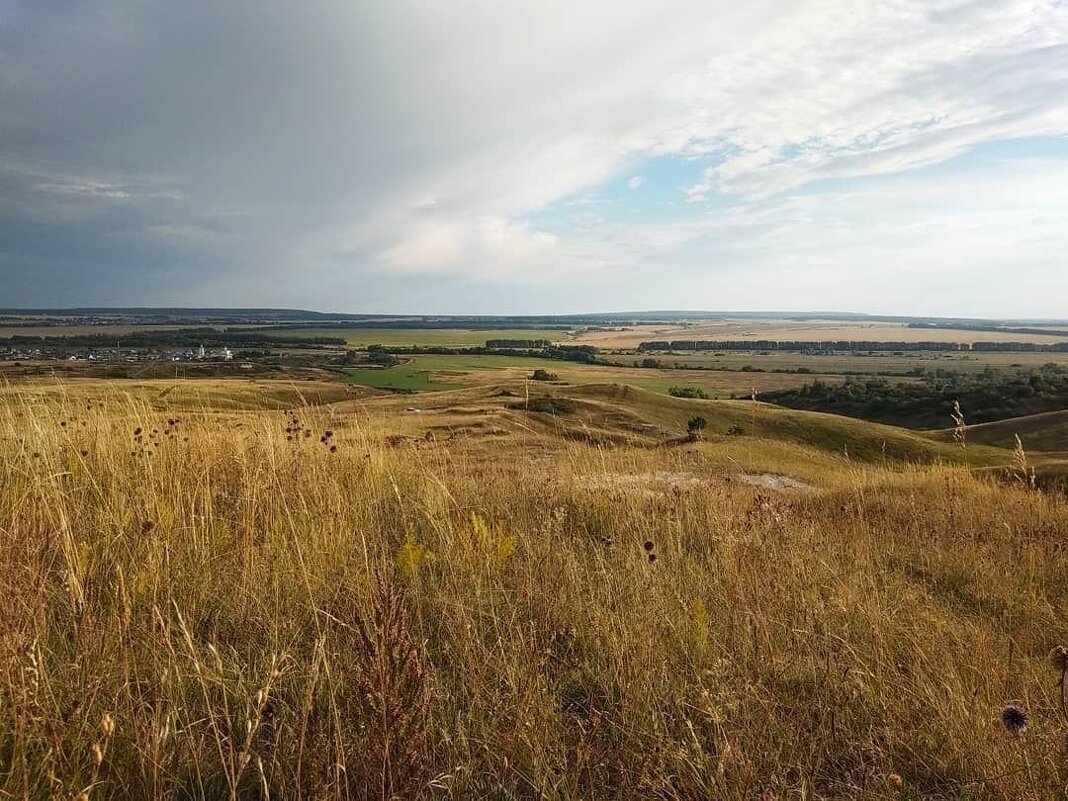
<point x="173" y="314"/>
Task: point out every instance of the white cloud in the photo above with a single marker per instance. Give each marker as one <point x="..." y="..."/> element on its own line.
<point x="990" y="240"/>
<point x="492" y="247"/>
<point x="360" y="142"/>
<point x="814" y="91"/>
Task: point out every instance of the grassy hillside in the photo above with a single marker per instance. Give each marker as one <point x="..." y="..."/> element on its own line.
<point x="431" y="372"/>
<point x="168" y="394"/>
<point x="1038" y="432"/>
<point x="847" y="437"/>
<point x="454" y="596"/>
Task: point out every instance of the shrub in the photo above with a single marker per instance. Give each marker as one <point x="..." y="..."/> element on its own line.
<point x="688" y="392"/>
<point x="548" y="405"/>
<point x="695" y="425"/>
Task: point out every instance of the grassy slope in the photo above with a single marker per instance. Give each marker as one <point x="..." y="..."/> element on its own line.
<point x="220" y="394"/>
<point x="848" y="641"/>
<point x="858" y="438"/>
<point x="1046" y="432"/>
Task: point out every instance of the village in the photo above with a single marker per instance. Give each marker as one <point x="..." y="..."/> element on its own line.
<point x="18" y="353"/>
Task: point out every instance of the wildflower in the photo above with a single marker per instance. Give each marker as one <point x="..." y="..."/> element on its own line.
<point x="652" y="558"/>
<point x="148" y="526"/>
<point x="333" y="449"/>
<point x="137" y="431"/>
<point x="1014" y="717"/>
<point x="648" y="546"/>
<point x="895" y="780"/>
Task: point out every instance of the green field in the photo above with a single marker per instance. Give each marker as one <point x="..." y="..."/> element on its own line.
<point x="434" y="373"/>
<point x="360" y="337"/>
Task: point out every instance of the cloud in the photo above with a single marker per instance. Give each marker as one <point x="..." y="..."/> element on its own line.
<point x="990" y="240"/>
<point x="151" y="150"/>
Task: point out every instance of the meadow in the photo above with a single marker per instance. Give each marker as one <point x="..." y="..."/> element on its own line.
<point x="442" y="372"/>
<point x="257" y="593"/>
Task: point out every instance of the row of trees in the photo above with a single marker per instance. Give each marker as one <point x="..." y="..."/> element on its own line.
<point x="571" y="353"/>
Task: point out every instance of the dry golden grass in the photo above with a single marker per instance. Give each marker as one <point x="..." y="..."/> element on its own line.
<point x="217" y="607"/>
<point x="633" y="335"/>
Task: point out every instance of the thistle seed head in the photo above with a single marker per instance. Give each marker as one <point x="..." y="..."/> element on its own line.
<point x="1058" y="658"/>
<point x="1014" y="717"/>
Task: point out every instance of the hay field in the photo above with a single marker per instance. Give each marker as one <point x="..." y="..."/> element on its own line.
<point x="845" y="363"/>
<point x="348" y="600"/>
<point x="632" y="336"/>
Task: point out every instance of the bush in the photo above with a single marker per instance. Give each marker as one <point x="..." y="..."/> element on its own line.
<point x="688" y="392"/>
<point x="695" y="425"/>
<point x="544" y="375"/>
<point x="383" y="359"/>
<point x="547" y="405"/>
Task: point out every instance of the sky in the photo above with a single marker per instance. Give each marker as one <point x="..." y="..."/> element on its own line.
<point x="883" y="156"/>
